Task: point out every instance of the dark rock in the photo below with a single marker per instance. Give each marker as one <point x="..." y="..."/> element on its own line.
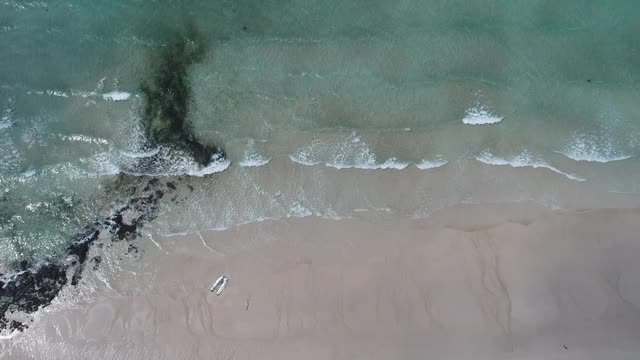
<point x="17" y="325"/>
<point x="27" y="290"/>
<point x="96" y="260"/>
<point x="80" y="244"/>
<point x="32" y="287"/>
<point x="132" y="249"/>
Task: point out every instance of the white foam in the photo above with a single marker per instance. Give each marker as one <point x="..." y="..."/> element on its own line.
<point x="525" y="159"/>
<point x="103" y="165"/>
<point x="594" y="157"/>
<point x="173" y="163"/>
<point x="85" y="139"/>
<point x="116" y="96"/>
<point x="254" y="161"/>
<point x="140" y="154"/>
<point x="84" y="94"/>
<point x="97" y="165"/>
<point x="432" y="164"/>
<point x="252" y="158"/>
<point x="299" y="211"/>
<point x="591" y="148"/>
<point x="7" y="119"/>
<point x="28" y="175"/>
<point x="303" y="157"/>
<point x="216" y="166"/>
<point x="57" y="93"/>
<point x="391" y="163"/>
<point x="6" y="335"/>
<point x="350" y="153"/>
<point x="114" y="162"/>
<point x="480" y="116"/>
<point x="111" y="96"/>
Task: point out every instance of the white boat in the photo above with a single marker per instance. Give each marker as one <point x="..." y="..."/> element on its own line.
<point x="219" y="284"/>
<point x="222" y="285"/>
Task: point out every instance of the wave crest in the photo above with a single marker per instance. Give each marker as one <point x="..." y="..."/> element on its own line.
<point x="524" y="159"/>
<point x="432" y="164"/>
<point x="592" y="148"/>
<point x="480" y="116"/>
<point x="350" y="153"/>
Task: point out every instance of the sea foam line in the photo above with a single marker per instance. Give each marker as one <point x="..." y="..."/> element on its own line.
<point x="254" y="162"/>
<point x="111" y="96"/>
<point x="389" y="164"/>
<point x="525" y="159"/>
<point x="599" y="158"/>
<point x="432" y="164"/>
<point x="85" y="139"/>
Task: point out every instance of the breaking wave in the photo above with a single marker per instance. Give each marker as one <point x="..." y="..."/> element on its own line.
<point x="252" y="158"/>
<point x="432" y="164"/>
<point x="162" y="161"/>
<point x="480" y="116"/>
<point x="351" y="153"/>
<point x="592" y="148"/>
<point x="524" y="159"/>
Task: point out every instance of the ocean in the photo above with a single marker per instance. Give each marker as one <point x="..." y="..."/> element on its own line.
<point x="215" y="114"/>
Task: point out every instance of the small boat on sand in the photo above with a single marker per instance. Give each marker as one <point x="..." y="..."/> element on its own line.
<point x="219" y="284"/>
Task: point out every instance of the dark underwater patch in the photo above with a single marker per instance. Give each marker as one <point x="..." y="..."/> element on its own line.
<point x="168" y="96"/>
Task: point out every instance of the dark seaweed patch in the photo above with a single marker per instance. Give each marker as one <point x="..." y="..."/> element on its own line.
<point x="169" y="97"/>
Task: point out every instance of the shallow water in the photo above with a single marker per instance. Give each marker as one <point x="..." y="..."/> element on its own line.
<point x="329" y="109"/>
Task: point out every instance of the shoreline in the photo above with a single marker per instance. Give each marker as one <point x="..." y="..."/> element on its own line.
<point x="494" y="281"/>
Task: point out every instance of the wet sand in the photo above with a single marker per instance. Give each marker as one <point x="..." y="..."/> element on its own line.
<point x="470" y="282"/>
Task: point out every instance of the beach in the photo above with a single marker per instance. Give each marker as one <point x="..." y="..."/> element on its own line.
<point x="374" y="180"/>
<point x="494" y="281"/>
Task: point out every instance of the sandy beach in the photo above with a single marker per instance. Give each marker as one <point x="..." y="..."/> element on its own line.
<point x="470" y="282"/>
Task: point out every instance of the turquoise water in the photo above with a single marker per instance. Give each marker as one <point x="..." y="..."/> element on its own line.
<point x="320" y="107"/>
